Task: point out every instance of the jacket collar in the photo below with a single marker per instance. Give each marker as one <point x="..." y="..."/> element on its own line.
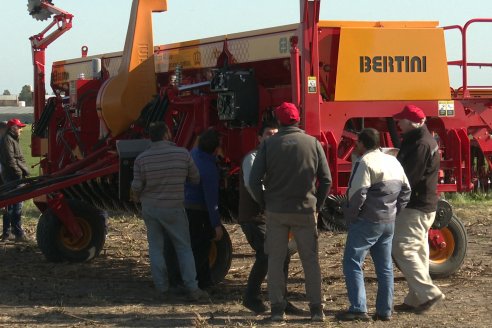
<point x="289" y="129"/>
<point x="415" y="134"/>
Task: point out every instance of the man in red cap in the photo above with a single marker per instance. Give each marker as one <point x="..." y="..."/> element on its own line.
<point x="419" y="156"/>
<point x="14" y="168"/>
<point x="288" y="165"/>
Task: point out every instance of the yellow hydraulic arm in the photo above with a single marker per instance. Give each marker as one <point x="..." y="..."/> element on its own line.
<point x="122" y="97"/>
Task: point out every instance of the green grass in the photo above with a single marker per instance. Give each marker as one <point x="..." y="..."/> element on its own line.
<point x="25" y="143"/>
<point x="459" y="198"/>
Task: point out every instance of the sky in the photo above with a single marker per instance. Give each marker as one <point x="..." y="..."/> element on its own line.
<point x="101" y="25"/>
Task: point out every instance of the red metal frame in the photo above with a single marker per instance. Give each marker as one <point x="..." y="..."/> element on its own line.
<point x="62" y="20"/>
<point x="191" y="113"/>
<point x="465" y="88"/>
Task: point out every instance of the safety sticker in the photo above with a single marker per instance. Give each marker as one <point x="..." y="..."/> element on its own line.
<point x="446" y="108"/>
<point x="312" y="84"/>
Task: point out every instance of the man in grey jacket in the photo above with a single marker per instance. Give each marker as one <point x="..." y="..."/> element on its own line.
<point x="288" y="164"/>
<point x="14" y="168"/>
<point x="378" y="190"/>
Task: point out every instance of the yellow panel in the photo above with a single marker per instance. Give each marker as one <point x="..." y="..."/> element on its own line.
<point x="392" y="64"/>
<point x="392" y="24"/>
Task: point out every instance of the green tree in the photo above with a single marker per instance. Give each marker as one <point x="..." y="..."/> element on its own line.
<point x="26" y="95"/>
<point x="6" y="92"/>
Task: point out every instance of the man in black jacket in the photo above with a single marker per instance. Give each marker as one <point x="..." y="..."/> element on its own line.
<point x="14" y="168"/>
<point x="419" y="156"/>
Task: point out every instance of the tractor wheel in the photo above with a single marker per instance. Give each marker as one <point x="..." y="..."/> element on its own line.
<point x="220" y="257"/>
<point x="446" y="261"/>
<point x="56" y="243"/>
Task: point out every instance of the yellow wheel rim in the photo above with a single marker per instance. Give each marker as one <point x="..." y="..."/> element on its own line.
<point x="76" y="244"/>
<point x="441" y="255"/>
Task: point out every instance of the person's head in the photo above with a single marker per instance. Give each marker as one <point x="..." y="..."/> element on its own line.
<point x="267" y="130"/>
<point x="209" y="141"/>
<point x="368" y="139"/>
<point x="3" y="128"/>
<point x="15" y="125"/>
<point x="159" y="131"/>
<point x="410" y="118"/>
<point x="287" y="114"/>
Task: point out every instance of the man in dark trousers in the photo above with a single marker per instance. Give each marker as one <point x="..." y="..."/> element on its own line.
<point x="14" y="167"/>
<point x="253" y="223"/>
<point x="419" y="156"/>
<point x="202" y="205"/>
<point x="289" y="165"/>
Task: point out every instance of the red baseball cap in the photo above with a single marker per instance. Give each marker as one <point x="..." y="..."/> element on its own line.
<point x="411" y="113"/>
<point x="287" y="113"/>
<point x="16" y="122"/>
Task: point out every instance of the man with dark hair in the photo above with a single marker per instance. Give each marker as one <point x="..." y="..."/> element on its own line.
<point x="202" y="205"/>
<point x="159" y="176"/>
<point x="288" y="165"/>
<point x="419" y="156"/>
<point x="378" y="190"/>
<point x="14" y="167"/>
<point x="253" y="223"/>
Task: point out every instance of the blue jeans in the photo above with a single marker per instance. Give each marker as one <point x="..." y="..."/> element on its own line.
<point x="364" y="236"/>
<point x="169" y="223"/>
<point x="12" y="220"/>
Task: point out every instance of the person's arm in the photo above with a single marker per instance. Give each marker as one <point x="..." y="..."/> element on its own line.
<point x="246" y="168"/>
<point x="210" y="187"/>
<point x="10" y="159"/>
<point x="138" y="182"/>
<point x="360" y="181"/>
<point x="415" y="163"/>
<point x="404" y="195"/>
<point x="21" y="162"/>
<point x="257" y="173"/>
<point x="324" y="177"/>
<point x="193" y="173"/>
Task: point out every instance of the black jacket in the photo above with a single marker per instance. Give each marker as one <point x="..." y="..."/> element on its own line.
<point x="14" y="166"/>
<point x="419" y="156"/>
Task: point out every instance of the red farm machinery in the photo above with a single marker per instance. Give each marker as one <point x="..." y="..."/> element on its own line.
<point x="343" y="75"/>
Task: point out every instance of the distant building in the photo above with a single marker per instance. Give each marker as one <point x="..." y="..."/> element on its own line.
<point x="9" y="100"/>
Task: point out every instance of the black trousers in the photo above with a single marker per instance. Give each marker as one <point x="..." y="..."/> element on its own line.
<point x="255" y="234"/>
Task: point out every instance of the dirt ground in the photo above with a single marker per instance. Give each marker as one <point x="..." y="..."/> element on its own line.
<point x="115" y="289"/>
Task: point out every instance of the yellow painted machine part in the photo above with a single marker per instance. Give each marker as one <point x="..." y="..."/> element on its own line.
<point x="363" y="47"/>
<point x="122" y="98"/>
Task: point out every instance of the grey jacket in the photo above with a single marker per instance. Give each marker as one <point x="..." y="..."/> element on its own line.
<point x="289" y="164"/>
<point x="378" y="189"/>
<point x="14" y="166"/>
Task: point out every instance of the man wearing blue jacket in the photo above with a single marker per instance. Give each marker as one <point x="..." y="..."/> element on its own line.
<point x="202" y="205"/>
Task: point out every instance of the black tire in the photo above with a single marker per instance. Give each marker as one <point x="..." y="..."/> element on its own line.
<point x="220" y="257"/>
<point x="442" y="264"/>
<point x="55" y="242"/>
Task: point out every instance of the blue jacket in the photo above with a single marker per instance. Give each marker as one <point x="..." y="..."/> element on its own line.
<point x="205" y="194"/>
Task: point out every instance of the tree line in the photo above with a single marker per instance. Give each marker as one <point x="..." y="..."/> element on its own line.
<point x="24" y="95"/>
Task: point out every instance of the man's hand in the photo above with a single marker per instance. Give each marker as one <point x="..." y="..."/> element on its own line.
<point x="218" y="233"/>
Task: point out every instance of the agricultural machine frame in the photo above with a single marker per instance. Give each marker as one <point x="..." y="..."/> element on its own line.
<point x="89" y="133"/>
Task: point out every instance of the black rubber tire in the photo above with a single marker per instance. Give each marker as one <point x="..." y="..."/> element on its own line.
<point x="453" y="263"/>
<point x="220" y="257"/>
<point x="50" y="231"/>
